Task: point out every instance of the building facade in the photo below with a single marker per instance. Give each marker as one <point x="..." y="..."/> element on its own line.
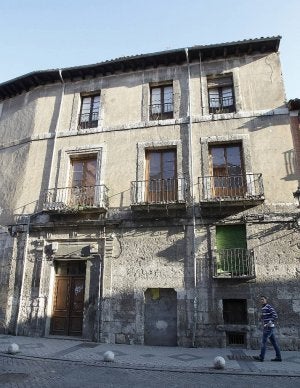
<point x="149" y="199"/>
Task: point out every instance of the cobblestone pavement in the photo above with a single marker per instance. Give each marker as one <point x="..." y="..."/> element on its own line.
<point x="156" y="358"/>
<point x="43" y="373"/>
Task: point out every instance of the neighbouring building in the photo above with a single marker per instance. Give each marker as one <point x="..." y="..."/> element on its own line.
<point x="149" y="199"/>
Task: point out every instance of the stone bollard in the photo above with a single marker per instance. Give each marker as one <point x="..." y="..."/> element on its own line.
<point x="109" y="356"/>
<point x="219" y="362"/>
<point x="13" y="349"/>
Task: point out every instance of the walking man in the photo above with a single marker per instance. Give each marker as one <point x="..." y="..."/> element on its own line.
<point x="268" y="317"/>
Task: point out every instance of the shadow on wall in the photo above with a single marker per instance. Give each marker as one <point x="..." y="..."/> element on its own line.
<point x="289" y="156"/>
<point x="290" y="166"/>
<point x="19" y="162"/>
<point x="270" y="231"/>
<point x="128" y="320"/>
<point x="266" y="121"/>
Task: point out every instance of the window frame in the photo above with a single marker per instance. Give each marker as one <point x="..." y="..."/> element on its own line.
<point x="161" y="189"/>
<point x="92" y="122"/>
<point x="163" y="113"/>
<point x="227" y="184"/>
<point x="226" y="146"/>
<point x="206" y="142"/>
<point x="67" y="153"/>
<point x="82" y="158"/>
<point x="219" y="86"/>
<point x="141" y="163"/>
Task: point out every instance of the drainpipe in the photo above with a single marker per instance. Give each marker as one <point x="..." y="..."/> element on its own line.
<point x="56" y="130"/>
<point x="99" y="309"/>
<point x="200" y="70"/>
<point x="191" y="178"/>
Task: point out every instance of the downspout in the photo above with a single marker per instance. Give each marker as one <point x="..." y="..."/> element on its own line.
<point x="191" y="178"/>
<point x="99" y="307"/>
<point x="200" y="69"/>
<point x="56" y="130"/>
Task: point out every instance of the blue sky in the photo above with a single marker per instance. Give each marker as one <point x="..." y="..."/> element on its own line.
<point x="45" y="34"/>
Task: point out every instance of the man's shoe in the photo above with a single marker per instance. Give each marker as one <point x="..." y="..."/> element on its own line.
<point x="276" y="359"/>
<point x="258" y="358"/>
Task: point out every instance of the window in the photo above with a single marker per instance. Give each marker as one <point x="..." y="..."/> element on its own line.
<point x="161" y="176"/>
<point x="89" y="113"/>
<point x="161" y="106"/>
<point x="235" y="311"/>
<point x="220" y="95"/>
<point x="83" y="181"/>
<point x="232" y="255"/>
<point x="227" y="170"/>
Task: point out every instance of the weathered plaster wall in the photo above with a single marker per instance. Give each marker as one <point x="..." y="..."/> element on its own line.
<point x="145" y="253"/>
<point x="6" y="250"/>
<point x="125" y="102"/>
<point x="277" y="269"/>
<point x="269" y="143"/>
<point x="31" y="113"/>
<point x="142" y="258"/>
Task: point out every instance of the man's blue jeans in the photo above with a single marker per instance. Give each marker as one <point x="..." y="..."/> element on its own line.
<point x="269" y="333"/>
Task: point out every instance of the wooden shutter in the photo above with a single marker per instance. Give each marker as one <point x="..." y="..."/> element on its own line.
<point x="231" y="236"/>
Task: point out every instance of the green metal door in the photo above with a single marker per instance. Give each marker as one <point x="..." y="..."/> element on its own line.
<point x="231" y="236"/>
<point x="231" y="250"/>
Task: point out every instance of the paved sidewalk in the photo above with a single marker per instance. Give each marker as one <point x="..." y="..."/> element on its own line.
<point x="238" y="361"/>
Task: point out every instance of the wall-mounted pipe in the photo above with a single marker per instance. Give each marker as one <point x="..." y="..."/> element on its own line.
<point x="191" y="178"/>
<point x="51" y="184"/>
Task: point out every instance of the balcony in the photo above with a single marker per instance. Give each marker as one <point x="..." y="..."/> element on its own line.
<point x="161" y="111"/>
<point x="68" y="199"/>
<point x="219" y="105"/>
<point x="234" y="263"/>
<point x="234" y="190"/>
<point x="88" y="120"/>
<point x="171" y="193"/>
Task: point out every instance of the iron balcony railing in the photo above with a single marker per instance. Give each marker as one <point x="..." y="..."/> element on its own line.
<point x="161" y="111"/>
<point x="234" y="263"/>
<point x="79" y="197"/>
<point x="88" y="120"/>
<point x="159" y="191"/>
<point x="232" y="187"/>
<point x="221" y="105"/>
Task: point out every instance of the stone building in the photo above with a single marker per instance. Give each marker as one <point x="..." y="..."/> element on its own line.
<point x="149" y="199"/>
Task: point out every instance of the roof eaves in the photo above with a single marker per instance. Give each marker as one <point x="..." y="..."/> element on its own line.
<point x="35" y="78"/>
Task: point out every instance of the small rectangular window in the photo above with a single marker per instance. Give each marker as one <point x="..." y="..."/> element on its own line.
<point x="161" y="106"/>
<point x="89" y="112"/>
<point x="236" y="339"/>
<point x="235" y="311"/>
<point x="220" y="94"/>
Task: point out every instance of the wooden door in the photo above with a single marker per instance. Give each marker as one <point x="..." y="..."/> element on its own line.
<point x="76" y="306"/>
<point x="68" y="305"/>
<point x="161" y="176"/>
<point x="227" y="171"/>
<point x="60" y="321"/>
